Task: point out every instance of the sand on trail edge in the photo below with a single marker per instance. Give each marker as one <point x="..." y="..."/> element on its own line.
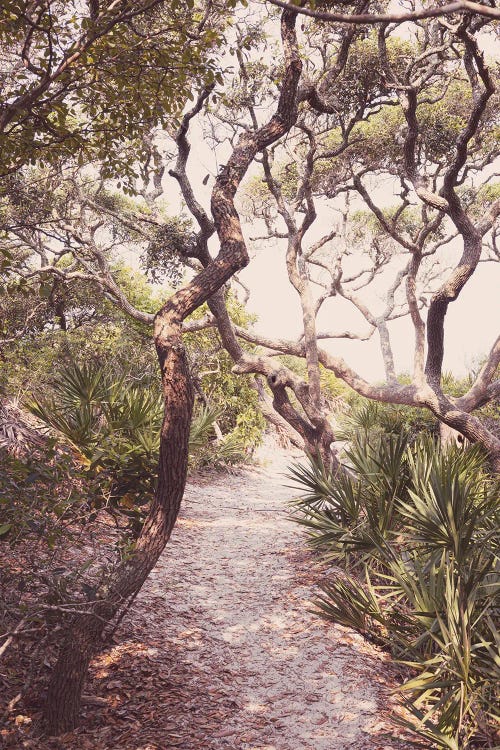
<point x="221" y="649"/>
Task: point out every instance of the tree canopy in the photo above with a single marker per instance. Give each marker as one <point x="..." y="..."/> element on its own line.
<point x="87" y="79"/>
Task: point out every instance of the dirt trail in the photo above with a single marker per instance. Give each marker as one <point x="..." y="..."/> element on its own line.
<point x="220" y="650"/>
<point x="229" y="599"/>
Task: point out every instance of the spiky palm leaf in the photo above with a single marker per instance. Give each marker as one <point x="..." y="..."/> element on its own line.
<point x="202" y="427"/>
<point x="427" y="536"/>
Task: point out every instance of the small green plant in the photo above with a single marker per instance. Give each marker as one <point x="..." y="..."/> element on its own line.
<point x="41" y="494"/>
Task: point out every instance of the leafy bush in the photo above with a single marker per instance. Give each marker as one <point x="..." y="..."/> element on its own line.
<point x="385" y="419"/>
<point x="113" y="428"/>
<point x="79" y="324"/>
<point x="40" y="494"/>
<point x="416" y="530"/>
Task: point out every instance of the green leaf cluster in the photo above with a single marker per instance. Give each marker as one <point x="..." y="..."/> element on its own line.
<point x="168" y="248"/>
<point x="117" y="74"/>
<point x="42" y="492"/>
<point x="112" y="425"/>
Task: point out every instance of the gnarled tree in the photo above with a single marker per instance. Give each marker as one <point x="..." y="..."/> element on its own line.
<point x="419" y="111"/>
<point x="83" y="636"/>
<point x="352" y="79"/>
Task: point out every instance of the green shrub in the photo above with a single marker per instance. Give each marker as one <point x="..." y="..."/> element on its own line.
<point x="41" y="494"/>
<point x="416" y="531"/>
<point x="386" y="419"/>
<point x="113" y="428"/>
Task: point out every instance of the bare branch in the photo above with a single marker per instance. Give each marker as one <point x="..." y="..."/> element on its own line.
<point x="483" y="390"/>
<point x="373" y="18"/>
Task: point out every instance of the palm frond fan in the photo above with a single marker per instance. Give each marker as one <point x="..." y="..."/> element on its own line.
<point x="18" y="430"/>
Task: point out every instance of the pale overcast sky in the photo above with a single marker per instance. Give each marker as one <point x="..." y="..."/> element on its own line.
<point x="472" y="322"/>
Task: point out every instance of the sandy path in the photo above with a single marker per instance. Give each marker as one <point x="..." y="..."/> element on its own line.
<point x="232" y="655"/>
<point x="220" y="650"/>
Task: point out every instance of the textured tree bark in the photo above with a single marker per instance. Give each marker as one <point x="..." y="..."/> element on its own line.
<point x="448" y="436"/>
<point x="272" y="416"/>
<point x="83" y="636"/>
<point x="473" y="429"/>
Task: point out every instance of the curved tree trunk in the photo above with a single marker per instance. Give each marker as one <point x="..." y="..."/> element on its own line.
<point x="271" y="415"/>
<point x="83" y="636"/>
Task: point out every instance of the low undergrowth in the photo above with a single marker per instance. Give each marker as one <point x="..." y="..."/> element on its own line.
<point x="112" y="425"/>
<point x="413" y="532"/>
<point x="76" y="478"/>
